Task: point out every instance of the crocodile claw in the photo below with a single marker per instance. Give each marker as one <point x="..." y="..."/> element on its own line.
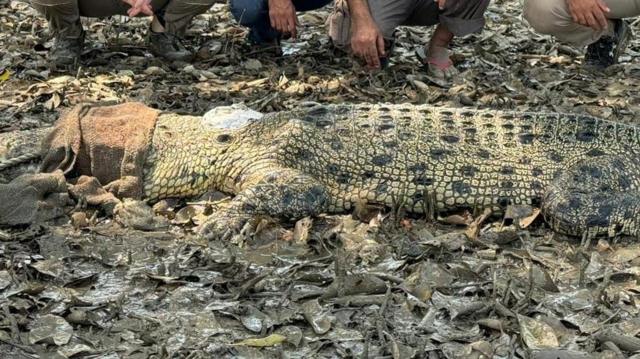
<point x="221" y="227"/>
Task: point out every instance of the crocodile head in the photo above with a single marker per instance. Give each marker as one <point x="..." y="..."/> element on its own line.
<point x="193" y="154"/>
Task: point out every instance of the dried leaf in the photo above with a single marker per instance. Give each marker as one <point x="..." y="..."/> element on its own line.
<point x="464" y="219"/>
<point x="537" y="334"/>
<point x="271" y="340"/>
<point x="526" y="221"/>
<point x="53" y="102"/>
<point x="5" y="74"/>
<point x="50" y="267"/>
<point x="292" y="333"/>
<point x="301" y="230"/>
<point x="188" y="213"/>
<point x="254" y="320"/>
<point x="50" y="329"/>
<point x="252" y="64"/>
<point x="75" y="350"/>
<point x="473" y="229"/>
<point x="314" y="314"/>
<point x="5" y="279"/>
<point x="624" y="254"/>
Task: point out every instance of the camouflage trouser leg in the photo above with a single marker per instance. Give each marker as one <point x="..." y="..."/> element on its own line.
<point x="178" y="13"/>
<point x="64" y="15"/>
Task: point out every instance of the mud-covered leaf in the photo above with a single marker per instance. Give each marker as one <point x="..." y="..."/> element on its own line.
<point x="458" y="306"/>
<point x="355" y="284"/>
<point x="316" y="317"/>
<point x="452" y="241"/>
<point x="5" y="279"/>
<point x="292" y="333"/>
<point x="50" y="267"/>
<point x="518" y="212"/>
<point x="561" y="354"/>
<point x="426" y="278"/>
<point x="624" y="254"/>
<point x="187" y="214"/>
<point x="542" y="279"/>
<point x="301" y="230"/>
<point x="165" y="279"/>
<point x="138" y="215"/>
<point x="50" y="329"/>
<point x="537" y="334"/>
<point x="255" y="320"/>
<point x="75" y="350"/>
<point x="252" y="64"/>
<point x="29" y="288"/>
<point x="269" y="341"/>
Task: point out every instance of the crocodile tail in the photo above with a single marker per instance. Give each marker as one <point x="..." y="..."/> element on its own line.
<point x="20" y="147"/>
<point x="15" y="161"/>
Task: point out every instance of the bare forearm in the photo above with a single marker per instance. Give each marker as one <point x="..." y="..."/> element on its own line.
<point x="366" y="39"/>
<point x="359" y="10"/>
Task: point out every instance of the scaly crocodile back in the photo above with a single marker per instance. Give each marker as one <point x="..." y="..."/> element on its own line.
<point x="421" y="157"/>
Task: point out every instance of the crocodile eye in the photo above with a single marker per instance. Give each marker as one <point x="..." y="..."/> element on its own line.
<point x="224" y="138"/>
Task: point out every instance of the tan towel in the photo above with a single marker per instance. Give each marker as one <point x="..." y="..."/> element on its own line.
<point x="339" y="22"/>
<point x="109" y="143"/>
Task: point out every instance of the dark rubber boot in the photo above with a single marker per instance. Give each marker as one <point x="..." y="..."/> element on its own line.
<point x="67" y="48"/>
<point x="605" y="52"/>
<point x="168" y="46"/>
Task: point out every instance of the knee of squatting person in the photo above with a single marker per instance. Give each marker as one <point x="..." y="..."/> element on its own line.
<point x="366" y="27"/>
<point x="170" y="19"/>
<point x="597" y="24"/>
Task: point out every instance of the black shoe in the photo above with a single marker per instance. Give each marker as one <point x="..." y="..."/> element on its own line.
<point x="260" y="45"/>
<point x="168" y="46"/>
<point x="67" y="47"/>
<point x="605" y="52"/>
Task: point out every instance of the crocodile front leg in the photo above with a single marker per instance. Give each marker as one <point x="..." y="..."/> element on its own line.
<point x="596" y="197"/>
<point x="282" y="193"/>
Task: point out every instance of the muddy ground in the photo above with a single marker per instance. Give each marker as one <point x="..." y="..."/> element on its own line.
<point x="368" y="285"/>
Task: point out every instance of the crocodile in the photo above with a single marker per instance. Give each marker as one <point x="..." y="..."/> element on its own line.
<point x="583" y="172"/>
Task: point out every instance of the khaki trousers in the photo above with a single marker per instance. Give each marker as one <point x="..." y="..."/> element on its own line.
<point x="64" y="15"/>
<point x="552" y="17"/>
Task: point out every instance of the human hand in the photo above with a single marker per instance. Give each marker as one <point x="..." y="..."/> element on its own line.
<point x="367" y="42"/>
<point x="282" y="15"/>
<point x="589" y="13"/>
<point x="139" y="7"/>
<point x="440" y="3"/>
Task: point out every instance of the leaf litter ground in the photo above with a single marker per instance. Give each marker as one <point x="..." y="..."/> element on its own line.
<point x="362" y="285"/>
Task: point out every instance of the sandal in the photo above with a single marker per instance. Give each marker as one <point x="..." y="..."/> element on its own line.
<point x="440" y="73"/>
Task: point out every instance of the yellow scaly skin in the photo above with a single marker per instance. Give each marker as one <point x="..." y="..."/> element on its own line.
<point x="582" y="171"/>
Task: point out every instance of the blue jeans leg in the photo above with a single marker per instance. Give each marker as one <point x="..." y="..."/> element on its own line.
<point x="254" y="14"/>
